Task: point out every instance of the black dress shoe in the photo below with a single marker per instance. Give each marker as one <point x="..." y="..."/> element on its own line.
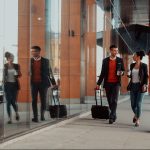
<point x="114" y="119"/>
<point x="42" y="119"/>
<point x="111" y="121"/>
<point x="35" y="120"/>
<point x="9" y="122"/>
<point x="17" y="117"/>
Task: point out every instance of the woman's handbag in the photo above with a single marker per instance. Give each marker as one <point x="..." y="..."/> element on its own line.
<point x="129" y="86"/>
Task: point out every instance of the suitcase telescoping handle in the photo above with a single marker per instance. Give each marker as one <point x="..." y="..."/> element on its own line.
<point x="100" y="96"/>
<point x="56" y="96"/>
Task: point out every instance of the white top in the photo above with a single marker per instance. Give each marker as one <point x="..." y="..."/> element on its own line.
<point x="135" y="76"/>
<point x="11" y="75"/>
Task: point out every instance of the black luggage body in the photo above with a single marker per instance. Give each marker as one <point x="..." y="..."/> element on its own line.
<point x="99" y="111"/>
<point x="1" y="98"/>
<point x="57" y="110"/>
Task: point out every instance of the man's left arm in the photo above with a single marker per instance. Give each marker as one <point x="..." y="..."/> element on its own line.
<point x="50" y="74"/>
<point x="47" y="67"/>
<point x="122" y="67"/>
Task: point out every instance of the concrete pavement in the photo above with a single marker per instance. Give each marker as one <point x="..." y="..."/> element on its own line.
<point x="86" y="133"/>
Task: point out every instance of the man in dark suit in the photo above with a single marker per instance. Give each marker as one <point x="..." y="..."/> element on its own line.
<point x="40" y="75"/>
<point x="112" y="70"/>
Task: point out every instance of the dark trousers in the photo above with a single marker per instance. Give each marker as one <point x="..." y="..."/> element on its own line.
<point x="112" y="92"/>
<point x="11" y="93"/>
<point x="35" y="89"/>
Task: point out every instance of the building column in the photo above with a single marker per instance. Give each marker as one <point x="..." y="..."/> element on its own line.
<point x="71" y="63"/>
<point x="125" y="79"/>
<point x="70" y="50"/>
<point x="90" y="48"/>
<point x="23" y="48"/>
<point x="149" y="72"/>
<point x="31" y="31"/>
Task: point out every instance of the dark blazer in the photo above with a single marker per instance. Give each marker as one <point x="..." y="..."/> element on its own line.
<point x="143" y="74"/>
<point x="105" y="70"/>
<point x="5" y="75"/>
<point x="45" y="72"/>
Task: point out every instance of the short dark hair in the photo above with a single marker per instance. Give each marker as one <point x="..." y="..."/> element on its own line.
<point x="37" y="48"/>
<point x="113" y="46"/>
<point x="140" y="53"/>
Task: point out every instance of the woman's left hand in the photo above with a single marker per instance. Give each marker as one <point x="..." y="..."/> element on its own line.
<point x="144" y="88"/>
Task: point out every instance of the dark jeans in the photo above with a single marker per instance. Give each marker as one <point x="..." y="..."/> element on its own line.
<point x="136" y="99"/>
<point x="11" y="93"/>
<point x="35" y="89"/>
<point x="112" y="92"/>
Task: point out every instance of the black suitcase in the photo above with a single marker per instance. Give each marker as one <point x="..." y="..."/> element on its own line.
<point x="99" y="111"/>
<point x="57" y="110"/>
<point x="1" y="98"/>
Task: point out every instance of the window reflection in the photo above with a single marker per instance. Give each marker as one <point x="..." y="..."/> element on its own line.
<point x="53" y="30"/>
<point x="8" y="29"/>
<point x="47" y="24"/>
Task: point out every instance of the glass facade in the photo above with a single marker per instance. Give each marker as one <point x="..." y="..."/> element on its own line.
<point x="75" y="36"/>
<point x="62" y="28"/>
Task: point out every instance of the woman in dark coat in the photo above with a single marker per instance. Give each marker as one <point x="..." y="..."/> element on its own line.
<point x="138" y="84"/>
<point x="11" y="85"/>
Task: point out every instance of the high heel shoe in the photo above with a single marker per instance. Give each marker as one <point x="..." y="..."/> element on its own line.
<point x="134" y="120"/>
<point x="137" y="123"/>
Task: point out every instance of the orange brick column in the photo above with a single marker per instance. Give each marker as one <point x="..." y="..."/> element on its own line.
<point x="107" y="39"/>
<point x="31" y="31"/>
<point x="149" y="72"/>
<point x="124" y="79"/>
<point x="38" y="24"/>
<point x="23" y="48"/>
<point x="70" y="49"/>
<point x="64" y="48"/>
<point x="90" y="47"/>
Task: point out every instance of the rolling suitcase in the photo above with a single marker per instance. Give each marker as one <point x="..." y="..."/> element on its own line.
<point x="1" y="98"/>
<point x="57" y="110"/>
<point x="1" y="95"/>
<point x="99" y="111"/>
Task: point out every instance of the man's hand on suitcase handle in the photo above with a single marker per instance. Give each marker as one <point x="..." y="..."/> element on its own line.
<point x="97" y="87"/>
<point x="54" y="87"/>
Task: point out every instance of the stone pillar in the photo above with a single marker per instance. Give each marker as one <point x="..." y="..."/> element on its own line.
<point x="125" y="79"/>
<point x="70" y="63"/>
<point x="107" y="39"/>
<point x="90" y="48"/>
<point x="37" y="29"/>
<point x="23" y="48"/>
<point x="70" y="49"/>
<point x="149" y="72"/>
<point x="31" y="31"/>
